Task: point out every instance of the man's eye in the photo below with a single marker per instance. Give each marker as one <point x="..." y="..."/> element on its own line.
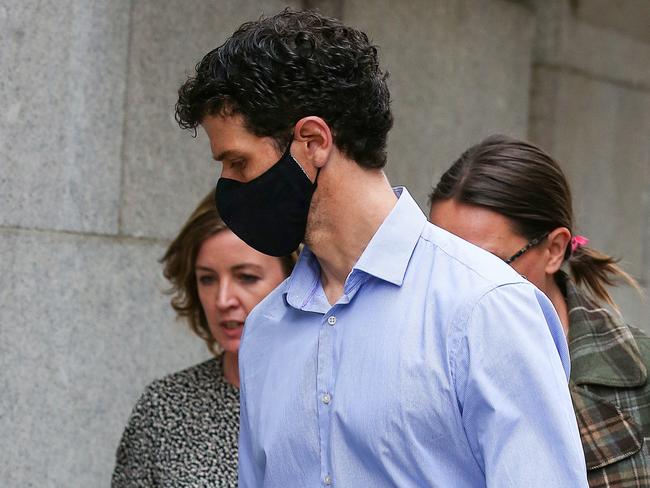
<point x="237" y="164"/>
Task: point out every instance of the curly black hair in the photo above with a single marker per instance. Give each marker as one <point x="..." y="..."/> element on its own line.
<point x="279" y="69"/>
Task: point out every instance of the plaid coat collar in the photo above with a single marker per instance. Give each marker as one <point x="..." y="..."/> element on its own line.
<point x="602" y="348"/>
<point x="603" y="352"/>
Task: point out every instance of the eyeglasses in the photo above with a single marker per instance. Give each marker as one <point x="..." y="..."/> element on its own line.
<point x="528" y="246"/>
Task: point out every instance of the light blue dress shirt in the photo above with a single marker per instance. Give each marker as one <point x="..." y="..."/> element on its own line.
<point x="438" y="367"/>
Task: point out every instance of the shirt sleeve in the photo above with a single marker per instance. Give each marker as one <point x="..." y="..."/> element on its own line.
<point x="133" y="463"/>
<point x="510" y="373"/>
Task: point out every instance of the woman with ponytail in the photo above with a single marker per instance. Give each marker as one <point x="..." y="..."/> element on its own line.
<point x="512" y="199"/>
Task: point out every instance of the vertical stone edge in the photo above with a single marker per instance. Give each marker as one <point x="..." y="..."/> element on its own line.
<point x="543" y="93"/>
<point x="123" y="148"/>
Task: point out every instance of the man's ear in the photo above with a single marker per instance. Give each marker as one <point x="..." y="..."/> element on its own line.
<point x="558" y="240"/>
<point x="315" y="138"/>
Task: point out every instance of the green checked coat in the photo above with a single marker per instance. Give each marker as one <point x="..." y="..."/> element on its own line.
<point x="610" y="393"/>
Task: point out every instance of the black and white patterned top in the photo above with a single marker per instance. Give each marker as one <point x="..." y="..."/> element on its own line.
<point x="182" y="432"/>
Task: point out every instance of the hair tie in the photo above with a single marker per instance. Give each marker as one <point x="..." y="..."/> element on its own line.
<point x="578" y="241"/>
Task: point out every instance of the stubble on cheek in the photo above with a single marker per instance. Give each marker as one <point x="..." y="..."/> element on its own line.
<point x="315" y="222"/>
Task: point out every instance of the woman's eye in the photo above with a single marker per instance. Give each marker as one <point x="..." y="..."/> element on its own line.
<point x="248" y="278"/>
<point x="206" y="280"/>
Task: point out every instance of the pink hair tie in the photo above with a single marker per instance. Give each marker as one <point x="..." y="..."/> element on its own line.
<point x="578" y="241"/>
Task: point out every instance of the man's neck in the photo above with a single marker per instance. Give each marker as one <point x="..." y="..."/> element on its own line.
<point x="347" y="215"/>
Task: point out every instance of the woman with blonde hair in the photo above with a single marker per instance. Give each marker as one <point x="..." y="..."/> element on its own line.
<point x="512" y="199"/>
<point x="183" y="431"/>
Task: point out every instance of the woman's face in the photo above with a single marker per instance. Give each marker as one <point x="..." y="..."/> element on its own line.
<point x="494" y="233"/>
<point x="231" y="279"/>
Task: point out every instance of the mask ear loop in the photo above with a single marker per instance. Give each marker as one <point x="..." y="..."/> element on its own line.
<point x="315" y="183"/>
<point x="288" y="152"/>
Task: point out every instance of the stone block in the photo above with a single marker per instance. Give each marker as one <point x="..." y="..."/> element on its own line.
<point x="571" y="39"/>
<point x="598" y="131"/>
<point x="83" y="327"/>
<point x="459" y="71"/>
<point x="630" y="17"/>
<point x="63" y="84"/>
<point x="166" y="170"/>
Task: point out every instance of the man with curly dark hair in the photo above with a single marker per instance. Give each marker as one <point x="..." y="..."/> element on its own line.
<point x="394" y="355"/>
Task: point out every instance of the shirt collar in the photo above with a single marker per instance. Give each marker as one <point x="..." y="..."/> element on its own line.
<point x="389" y="251"/>
<point x="304" y="284"/>
<point x="602" y="348"/>
<point x="386" y="256"/>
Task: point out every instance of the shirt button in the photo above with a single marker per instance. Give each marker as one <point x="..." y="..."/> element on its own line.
<point x="331" y="320"/>
<point x="328" y="480"/>
<point x="327" y="398"/>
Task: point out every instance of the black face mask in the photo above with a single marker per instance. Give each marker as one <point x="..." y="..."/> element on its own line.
<point x="269" y="213"/>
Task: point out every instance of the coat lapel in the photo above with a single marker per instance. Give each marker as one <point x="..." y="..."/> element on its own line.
<point x="608" y="435"/>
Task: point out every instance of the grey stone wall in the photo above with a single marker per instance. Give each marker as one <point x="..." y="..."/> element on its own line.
<point x="454" y="78"/>
<point x="95" y="176"/>
<point x="590" y="108"/>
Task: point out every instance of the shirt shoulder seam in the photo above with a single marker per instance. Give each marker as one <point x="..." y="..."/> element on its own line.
<point x="458" y="330"/>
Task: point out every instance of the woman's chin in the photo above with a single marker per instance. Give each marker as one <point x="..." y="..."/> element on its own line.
<point x="230" y="346"/>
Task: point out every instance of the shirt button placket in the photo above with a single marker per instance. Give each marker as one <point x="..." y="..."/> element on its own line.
<point x="327" y="334"/>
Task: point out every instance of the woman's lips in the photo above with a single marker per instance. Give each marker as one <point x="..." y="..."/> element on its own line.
<point x="231" y="324"/>
<point x="232" y="328"/>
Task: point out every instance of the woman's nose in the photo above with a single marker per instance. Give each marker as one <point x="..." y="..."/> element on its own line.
<point x="225" y="296"/>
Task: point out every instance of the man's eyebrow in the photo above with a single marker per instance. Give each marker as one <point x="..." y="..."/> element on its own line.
<point x="229" y="154"/>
